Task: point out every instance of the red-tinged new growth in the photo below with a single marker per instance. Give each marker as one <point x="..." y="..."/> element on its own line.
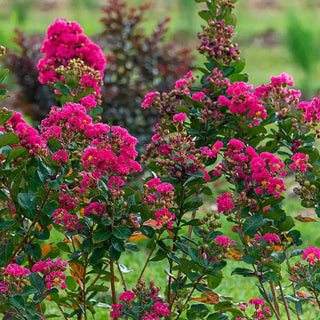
<point x="53" y="272"/>
<point x="67" y="50"/>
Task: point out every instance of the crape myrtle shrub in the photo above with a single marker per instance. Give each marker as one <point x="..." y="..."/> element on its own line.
<point x="137" y="63"/>
<point x="68" y="214"/>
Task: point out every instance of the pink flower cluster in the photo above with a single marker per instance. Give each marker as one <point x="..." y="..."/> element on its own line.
<point x="165" y="218"/>
<point x="179" y="117"/>
<point x="65" y="123"/>
<point x="159" y="196"/>
<point x="95" y="208"/>
<point x="127" y="296"/>
<point x="301" y="161"/>
<point x="148" y="100"/>
<point x="224" y="203"/>
<point x="184" y="84"/>
<point x="13" y="274"/>
<point x="312" y="255"/>
<point x="69" y="221"/>
<point x="258" y="172"/>
<point x="66" y="42"/>
<point x="116" y="311"/>
<point x="269" y="238"/>
<point x="225" y="242"/>
<point x="29" y="137"/>
<point x="15" y="270"/>
<point x="243" y="102"/>
<point x="261" y="313"/>
<point x="278" y="91"/>
<point x="159" y="309"/>
<point x="66" y="202"/>
<point x="53" y="272"/>
<point x="114" y="155"/>
<point x="60" y="156"/>
<point x="311" y="111"/>
<point x="198" y="96"/>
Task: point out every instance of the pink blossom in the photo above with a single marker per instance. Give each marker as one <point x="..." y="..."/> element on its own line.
<point x="224" y="203"/>
<point x="181" y="83"/>
<point x="53" y="271"/>
<point x="148" y="100"/>
<point x="179" y="117"/>
<point x="70" y="221"/>
<point x="165" y="187"/>
<point x="225" y="241"/>
<point x="60" y="156"/>
<point x="198" y="96"/>
<point x="65" y="41"/>
<point x="271" y="238"/>
<point x="15" y="270"/>
<point x="153" y="183"/>
<point x="116" y="310"/>
<point x="256" y="302"/>
<point x="164" y="217"/>
<point x="300" y="161"/>
<point x="127" y="296"/>
<point x="311" y="254"/>
<point x="95" y="208"/>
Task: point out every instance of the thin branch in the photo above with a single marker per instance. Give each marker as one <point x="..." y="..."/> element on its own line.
<point x="284" y="301"/>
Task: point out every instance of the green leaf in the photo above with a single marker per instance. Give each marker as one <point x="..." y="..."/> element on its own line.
<point x="33" y="250"/>
<point x="8" y="139"/>
<point x="218" y="316"/>
<point x="15" y="153"/>
<point x="206" y="15"/>
<point x="70" y="282"/>
<point x="252" y="224"/>
<point x="5" y="116"/>
<point x="63" y="247"/>
<point x="27" y="202"/>
<point x="147" y="231"/>
<point x="87" y="245"/>
<point x="117" y="244"/>
<point x="101" y="235"/>
<point x="131" y="247"/>
<point x="192" y="205"/>
<point x="123" y="233"/>
<point x="97" y="254"/>
<point x="54" y="145"/>
<point x="37" y="282"/>
<point x="214" y="281"/>
<point x="62" y="88"/>
<point x="243" y="272"/>
<point x="296" y="252"/>
<point x="114" y="254"/>
<point x="197" y="311"/>
<point x="287" y="224"/>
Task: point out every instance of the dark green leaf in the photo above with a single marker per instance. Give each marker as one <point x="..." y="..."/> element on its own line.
<point x="123" y="233"/>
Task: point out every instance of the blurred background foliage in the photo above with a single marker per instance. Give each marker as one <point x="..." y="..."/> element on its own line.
<point x="271" y="32"/>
